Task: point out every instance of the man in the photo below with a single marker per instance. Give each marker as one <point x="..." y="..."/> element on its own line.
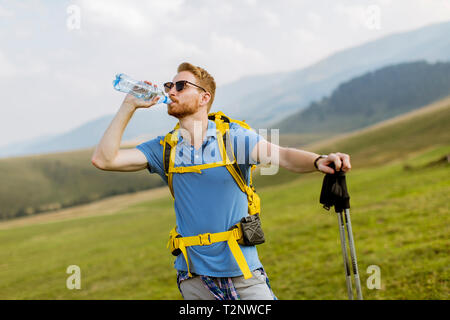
<point x="209" y="201"/>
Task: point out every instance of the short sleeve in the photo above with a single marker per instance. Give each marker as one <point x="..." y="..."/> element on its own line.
<point x="153" y="151"/>
<point x="244" y="142"/>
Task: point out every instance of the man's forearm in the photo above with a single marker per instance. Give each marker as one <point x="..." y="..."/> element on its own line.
<point x="296" y="160"/>
<point x="109" y="145"/>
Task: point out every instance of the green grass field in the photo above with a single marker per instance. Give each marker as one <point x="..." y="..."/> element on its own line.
<point x="400" y="222"/>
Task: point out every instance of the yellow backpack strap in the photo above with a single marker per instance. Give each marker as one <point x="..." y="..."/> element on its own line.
<point x="226" y="150"/>
<point x="241" y="123"/>
<point x="197" y="168"/>
<point x="178" y="244"/>
<point x="169" y="152"/>
<point x="222" y="138"/>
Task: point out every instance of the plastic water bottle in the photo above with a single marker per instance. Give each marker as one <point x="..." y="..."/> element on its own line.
<point x="139" y="89"/>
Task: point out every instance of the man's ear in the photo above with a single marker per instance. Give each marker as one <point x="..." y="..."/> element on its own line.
<point x="205" y="98"/>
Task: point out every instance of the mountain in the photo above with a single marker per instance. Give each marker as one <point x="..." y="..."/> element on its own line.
<point x="141" y="125"/>
<point x="282" y="94"/>
<point x="35" y="184"/>
<point x="41" y="183"/>
<point x="397" y="139"/>
<point x="373" y="97"/>
<point x="264" y="100"/>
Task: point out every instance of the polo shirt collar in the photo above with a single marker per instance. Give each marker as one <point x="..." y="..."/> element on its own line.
<point x="210" y="132"/>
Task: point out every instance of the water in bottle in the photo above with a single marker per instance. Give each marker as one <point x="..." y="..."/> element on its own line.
<point x="139" y="89"/>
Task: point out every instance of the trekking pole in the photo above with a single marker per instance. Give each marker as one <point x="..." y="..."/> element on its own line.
<point x="351" y="244"/>
<point x="348" y="276"/>
<point x="334" y="193"/>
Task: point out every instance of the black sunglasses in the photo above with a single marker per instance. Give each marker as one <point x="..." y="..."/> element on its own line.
<point x="179" y="85"/>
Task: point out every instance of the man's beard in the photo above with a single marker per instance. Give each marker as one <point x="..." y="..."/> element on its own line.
<point x="182" y="110"/>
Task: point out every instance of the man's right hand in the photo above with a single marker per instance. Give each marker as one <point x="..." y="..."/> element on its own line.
<point x="107" y="154"/>
<point x="135" y="103"/>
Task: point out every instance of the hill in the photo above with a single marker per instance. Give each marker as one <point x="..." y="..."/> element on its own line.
<point x="373" y="97"/>
<point x="42" y="183"/>
<point x="267" y="99"/>
<point x="38" y="184"/>
<point x="399" y="196"/>
<point x="263" y="100"/>
<point x="395" y="139"/>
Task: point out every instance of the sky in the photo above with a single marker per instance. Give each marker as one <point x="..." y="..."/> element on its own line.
<point x="58" y="58"/>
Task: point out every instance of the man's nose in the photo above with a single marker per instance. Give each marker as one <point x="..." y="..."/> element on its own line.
<point x="172" y="91"/>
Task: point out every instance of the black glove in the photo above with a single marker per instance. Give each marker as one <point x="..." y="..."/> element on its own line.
<point x="334" y="191"/>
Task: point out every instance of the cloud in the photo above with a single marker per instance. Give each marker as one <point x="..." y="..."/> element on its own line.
<point x="8" y="69"/>
<point x="179" y="48"/>
<point x="354" y="15"/>
<point x="231" y="47"/>
<point x="304" y="36"/>
<point x="29" y="66"/>
<point x="314" y="20"/>
<point x="6" y="13"/>
<point x="251" y="2"/>
<point x="228" y="53"/>
<point x="137" y="16"/>
<point x="272" y="19"/>
<point x="115" y="15"/>
<point x="148" y="39"/>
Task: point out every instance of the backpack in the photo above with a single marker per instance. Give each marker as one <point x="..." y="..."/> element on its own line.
<point x="248" y="231"/>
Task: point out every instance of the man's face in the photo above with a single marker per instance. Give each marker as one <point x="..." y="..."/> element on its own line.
<point x="186" y="101"/>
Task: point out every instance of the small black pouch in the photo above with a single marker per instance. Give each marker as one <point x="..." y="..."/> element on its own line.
<point x="252" y="231"/>
<point x="176" y="252"/>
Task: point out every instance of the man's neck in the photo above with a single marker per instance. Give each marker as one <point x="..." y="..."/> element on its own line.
<point x="194" y="128"/>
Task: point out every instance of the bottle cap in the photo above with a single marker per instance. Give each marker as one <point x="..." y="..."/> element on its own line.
<point x="164" y="99"/>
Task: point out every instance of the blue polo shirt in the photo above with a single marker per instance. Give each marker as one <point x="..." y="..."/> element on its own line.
<point x="210" y="201"/>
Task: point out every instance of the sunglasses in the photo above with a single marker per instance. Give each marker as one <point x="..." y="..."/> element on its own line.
<point x="179" y="85"/>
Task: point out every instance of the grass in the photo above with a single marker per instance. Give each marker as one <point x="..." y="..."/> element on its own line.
<point x="116" y="255"/>
<point x="400" y="221"/>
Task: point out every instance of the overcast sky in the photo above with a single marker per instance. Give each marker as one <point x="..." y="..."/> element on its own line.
<point x="58" y="58"/>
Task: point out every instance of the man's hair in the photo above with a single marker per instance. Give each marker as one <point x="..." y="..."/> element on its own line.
<point x="205" y="80"/>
